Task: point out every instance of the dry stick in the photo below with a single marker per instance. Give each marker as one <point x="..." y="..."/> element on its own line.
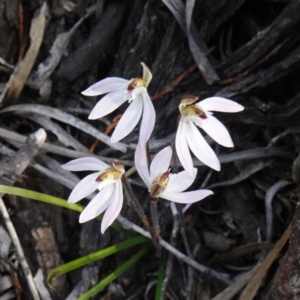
<point x="179" y="79"/>
<point x="256" y="65"/>
<point x="127" y="225"/>
<point x="238" y="284"/>
<point x="12" y="136"/>
<point x="252" y="287"/>
<point x="9" y="173"/>
<point x="271" y="192"/>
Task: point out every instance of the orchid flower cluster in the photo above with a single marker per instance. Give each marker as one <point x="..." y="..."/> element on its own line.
<point x="161" y="183"/>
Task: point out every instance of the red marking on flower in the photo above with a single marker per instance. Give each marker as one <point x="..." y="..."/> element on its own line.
<point x="199" y="112"/>
<point x="130" y="88"/>
<point x="203" y="116"/>
<point x="99" y="179"/>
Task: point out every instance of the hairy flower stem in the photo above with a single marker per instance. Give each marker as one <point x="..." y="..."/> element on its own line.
<point x="179" y="221"/>
<point x="174" y="158"/>
<point x="154" y="218"/>
<point x="148" y="153"/>
<point x="137" y="207"/>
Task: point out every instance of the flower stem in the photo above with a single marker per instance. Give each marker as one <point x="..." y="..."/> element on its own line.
<point x="154" y="218"/>
<point x="137" y="207"/>
<point x="174" y="158"/>
<point x="148" y="153"/>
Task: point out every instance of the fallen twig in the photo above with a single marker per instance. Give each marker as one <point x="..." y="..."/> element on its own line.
<point x="252" y="287"/>
<point x="238" y="284"/>
<point x="191" y="262"/>
<point x="9" y="173"/>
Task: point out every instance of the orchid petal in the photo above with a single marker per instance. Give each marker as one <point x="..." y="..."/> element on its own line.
<point x="85" y="187"/>
<point x="129" y="120"/>
<point x="180" y="182"/>
<point x="182" y="149"/>
<point x="140" y="161"/>
<point x="105" y="183"/>
<point x="220" y="104"/>
<point x="216" y="130"/>
<point x="97" y="205"/>
<point x="85" y="164"/>
<point x="108" y="104"/>
<point x="200" y="147"/>
<point x="114" y="208"/>
<point x="187" y="197"/>
<point x="138" y="91"/>
<point x="161" y="162"/>
<point x="197" y="120"/>
<point x="147" y="75"/>
<point x="105" y="86"/>
<point x="148" y="119"/>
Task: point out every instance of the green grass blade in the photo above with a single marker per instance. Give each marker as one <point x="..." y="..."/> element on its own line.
<point x="112" y="276"/>
<point x="48" y="199"/>
<point x="160" y="279"/>
<point x="95" y="256"/>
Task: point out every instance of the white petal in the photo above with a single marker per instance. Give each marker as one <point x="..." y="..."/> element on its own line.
<point x="105" y="86"/>
<point x="148" y="119"/>
<point x="108" y="104"/>
<point x="182" y="149"/>
<point x="114" y="208"/>
<point x="180" y="182"/>
<point x="140" y="161"/>
<point x="97" y="205"/>
<point x="85" y="164"/>
<point x="147" y="75"/>
<point x="105" y="183"/>
<point x="214" y="128"/>
<point x="200" y="147"/>
<point x="220" y="104"/>
<point x="161" y="162"/>
<point x="129" y="120"/>
<point x="197" y="120"/>
<point x="187" y="197"/>
<point x="85" y="187"/>
<point x="138" y="91"/>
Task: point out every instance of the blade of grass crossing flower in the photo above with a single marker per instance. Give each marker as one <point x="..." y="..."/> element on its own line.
<point x="112" y="276"/>
<point x="77" y="263"/>
<point x="48" y="199"/>
<point x="160" y="279"/>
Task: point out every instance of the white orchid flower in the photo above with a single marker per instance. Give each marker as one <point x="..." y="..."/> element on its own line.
<point x="119" y="91"/>
<point x="108" y="180"/>
<point x="188" y="136"/>
<point x="161" y="182"/>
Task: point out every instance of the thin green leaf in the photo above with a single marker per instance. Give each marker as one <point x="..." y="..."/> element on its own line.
<point x="95" y="256"/>
<point x="112" y="276"/>
<point x="160" y="279"/>
<point x="48" y="199"/>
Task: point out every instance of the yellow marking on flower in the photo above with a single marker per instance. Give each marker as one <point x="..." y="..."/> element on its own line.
<point x="114" y="173"/>
<point x="135" y="83"/>
<point x="193" y="110"/>
<point x="159" y="184"/>
<point x="118" y="166"/>
<point x="190" y="99"/>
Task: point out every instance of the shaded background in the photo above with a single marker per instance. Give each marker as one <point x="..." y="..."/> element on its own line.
<point x="244" y="50"/>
